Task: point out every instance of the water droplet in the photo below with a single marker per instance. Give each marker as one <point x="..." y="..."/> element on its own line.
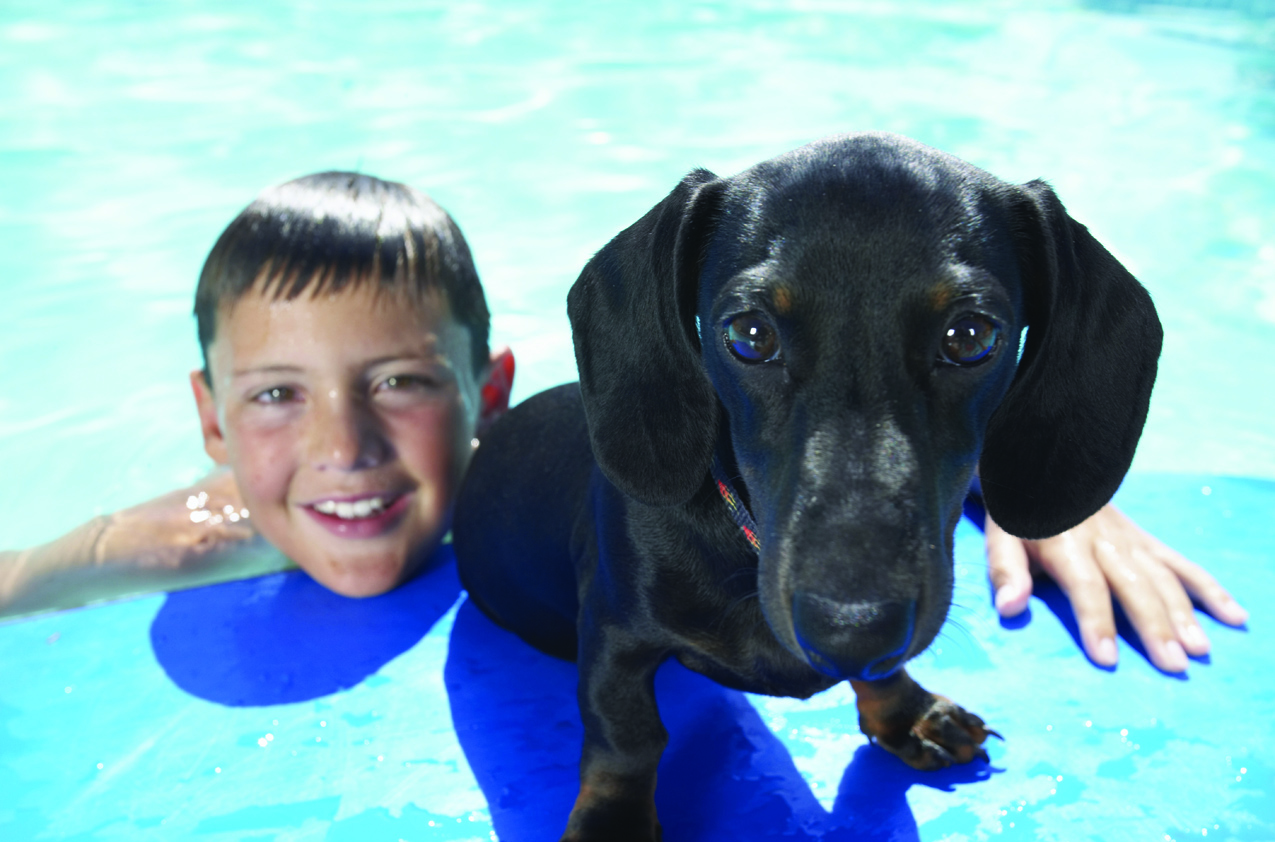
<point x="99" y="765"/>
<point x="217" y="770"/>
<point x="68" y="690"/>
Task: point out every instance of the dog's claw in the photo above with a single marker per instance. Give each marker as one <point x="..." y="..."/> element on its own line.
<point x="928" y="731"/>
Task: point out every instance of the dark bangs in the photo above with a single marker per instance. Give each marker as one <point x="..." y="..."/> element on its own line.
<point x="325" y="232"/>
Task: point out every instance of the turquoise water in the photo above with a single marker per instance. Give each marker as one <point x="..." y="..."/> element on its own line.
<point x="129" y="138"/>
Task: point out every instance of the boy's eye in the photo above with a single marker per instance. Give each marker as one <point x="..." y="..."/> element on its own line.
<point x="275" y="394"/>
<point x="401" y="382"/>
<point x="407" y="385"/>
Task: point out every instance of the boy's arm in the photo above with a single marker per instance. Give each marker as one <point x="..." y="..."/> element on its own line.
<point x="192" y="536"/>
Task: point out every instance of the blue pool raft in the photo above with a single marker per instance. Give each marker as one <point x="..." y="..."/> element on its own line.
<point x="273" y="709"/>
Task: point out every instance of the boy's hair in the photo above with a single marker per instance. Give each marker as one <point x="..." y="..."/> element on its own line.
<point x="332" y="230"/>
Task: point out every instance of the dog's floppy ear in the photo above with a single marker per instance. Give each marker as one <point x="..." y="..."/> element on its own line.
<point x="1061" y="441"/>
<point x="651" y="410"/>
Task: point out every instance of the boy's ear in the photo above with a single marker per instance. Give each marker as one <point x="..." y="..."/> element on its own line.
<point x="214" y="441"/>
<point x="496" y="388"/>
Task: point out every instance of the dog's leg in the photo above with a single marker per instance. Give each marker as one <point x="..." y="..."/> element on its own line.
<point x="623" y="740"/>
<point x="924" y="730"/>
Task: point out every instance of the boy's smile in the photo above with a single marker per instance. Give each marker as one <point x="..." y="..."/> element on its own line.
<point x="347" y="419"/>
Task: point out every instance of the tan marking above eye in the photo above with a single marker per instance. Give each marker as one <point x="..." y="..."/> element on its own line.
<point x="941" y="294"/>
<point x="782" y="298"/>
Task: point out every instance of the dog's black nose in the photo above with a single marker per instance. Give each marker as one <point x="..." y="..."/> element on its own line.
<point x="862" y="640"/>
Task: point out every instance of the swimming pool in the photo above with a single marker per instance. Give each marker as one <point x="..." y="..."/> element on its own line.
<point x="128" y="140"/>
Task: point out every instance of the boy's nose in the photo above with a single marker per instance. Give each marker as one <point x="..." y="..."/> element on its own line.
<point x="345" y="437"/>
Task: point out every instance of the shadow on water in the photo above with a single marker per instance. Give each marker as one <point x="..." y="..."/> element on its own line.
<point x="723" y="776"/>
<point x="285" y="638"/>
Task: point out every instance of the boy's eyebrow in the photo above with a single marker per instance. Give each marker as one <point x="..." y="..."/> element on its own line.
<point x="431" y="355"/>
<point x="265" y="369"/>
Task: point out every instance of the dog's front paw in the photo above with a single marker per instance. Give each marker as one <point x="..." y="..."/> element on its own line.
<point x="924" y="730"/>
<point x="945" y="734"/>
<point x="601" y="816"/>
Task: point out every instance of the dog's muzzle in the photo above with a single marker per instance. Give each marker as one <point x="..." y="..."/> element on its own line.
<point x="867" y="641"/>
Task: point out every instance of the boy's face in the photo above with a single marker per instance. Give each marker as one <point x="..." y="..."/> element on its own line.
<point x="347" y="420"/>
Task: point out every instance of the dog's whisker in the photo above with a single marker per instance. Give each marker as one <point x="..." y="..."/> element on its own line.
<point x="731" y="606"/>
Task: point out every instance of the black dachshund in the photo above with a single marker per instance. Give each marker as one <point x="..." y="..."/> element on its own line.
<point x="828" y="342"/>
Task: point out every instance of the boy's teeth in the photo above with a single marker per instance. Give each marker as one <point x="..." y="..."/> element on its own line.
<point x="351" y="511"/>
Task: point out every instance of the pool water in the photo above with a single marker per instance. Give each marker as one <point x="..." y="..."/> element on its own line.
<point x="129" y="138"/>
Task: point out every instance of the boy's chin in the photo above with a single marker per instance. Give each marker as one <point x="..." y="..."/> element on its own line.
<point x="357" y="579"/>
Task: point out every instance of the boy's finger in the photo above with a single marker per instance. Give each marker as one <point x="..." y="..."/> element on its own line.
<point x="1077" y="572"/>
<point x="1177" y="604"/>
<point x="1007" y="566"/>
<point x="1135" y="586"/>
<point x="1199" y="584"/>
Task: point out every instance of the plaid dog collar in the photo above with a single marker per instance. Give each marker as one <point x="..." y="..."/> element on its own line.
<point x="738" y="511"/>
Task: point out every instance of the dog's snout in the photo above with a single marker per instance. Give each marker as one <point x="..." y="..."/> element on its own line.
<point x="861" y="640"/>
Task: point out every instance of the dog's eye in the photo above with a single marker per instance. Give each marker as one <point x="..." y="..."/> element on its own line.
<point x="970" y="339"/>
<point x="752" y="339"/>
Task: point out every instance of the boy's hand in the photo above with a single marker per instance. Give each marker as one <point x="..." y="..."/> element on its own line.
<point x="1110" y="555"/>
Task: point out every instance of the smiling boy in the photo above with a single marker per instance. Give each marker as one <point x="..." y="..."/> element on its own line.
<point x="347" y="373"/>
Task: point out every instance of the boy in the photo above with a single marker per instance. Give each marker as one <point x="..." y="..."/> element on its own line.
<point x="346" y="378"/>
<point x="347" y="373"/>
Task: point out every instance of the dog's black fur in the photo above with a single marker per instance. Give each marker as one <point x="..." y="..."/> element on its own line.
<point x="589" y="523"/>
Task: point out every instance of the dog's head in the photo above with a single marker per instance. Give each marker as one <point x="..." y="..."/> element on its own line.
<point x="842" y="325"/>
